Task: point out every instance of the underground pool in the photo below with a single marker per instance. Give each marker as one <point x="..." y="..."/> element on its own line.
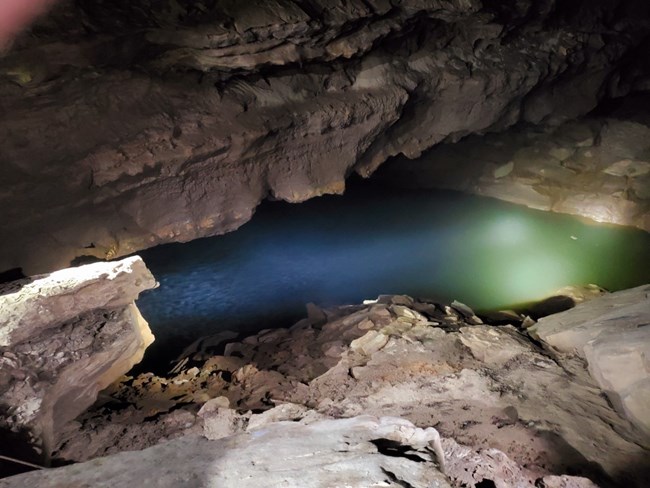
<point x="377" y="240"/>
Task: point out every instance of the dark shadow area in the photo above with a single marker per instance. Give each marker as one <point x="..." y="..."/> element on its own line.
<point x="81" y="260"/>
<point x="636" y="469"/>
<point x="17" y="445"/>
<point x="392" y="448"/>
<point x="17" y="279"/>
<point x="485" y="483"/>
<point x="549" y="306"/>
<point x="634" y="107"/>
<point x="565" y="459"/>
<point x="19" y="455"/>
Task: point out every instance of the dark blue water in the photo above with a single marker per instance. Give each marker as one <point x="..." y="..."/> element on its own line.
<point x="374" y="240"/>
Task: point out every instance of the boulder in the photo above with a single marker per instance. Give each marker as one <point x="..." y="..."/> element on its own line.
<point x="612" y="334"/>
<point x="64" y="337"/>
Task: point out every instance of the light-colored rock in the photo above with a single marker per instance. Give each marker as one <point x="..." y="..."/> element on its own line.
<point x="562" y="153"/>
<point x="612" y="313"/>
<point x="628" y="167"/>
<point x="620" y="363"/>
<point x="493" y="345"/>
<point x="284" y="412"/>
<point x="219" y="421"/>
<point x="560" y="169"/>
<point x="611" y="333"/>
<point x="30" y="306"/>
<point x="370" y="343"/>
<point x="66" y="336"/>
<point x="468" y="467"/>
<point x="504" y="170"/>
<point x="356" y="453"/>
<point x="484" y="387"/>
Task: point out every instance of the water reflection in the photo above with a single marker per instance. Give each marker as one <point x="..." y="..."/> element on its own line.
<point x="373" y="240"/>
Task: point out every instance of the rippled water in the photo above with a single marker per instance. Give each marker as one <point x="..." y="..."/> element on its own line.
<point x="374" y="240"/>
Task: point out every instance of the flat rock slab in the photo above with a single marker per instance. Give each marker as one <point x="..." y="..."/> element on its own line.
<point x="38" y="302"/>
<point x="484" y="387"/>
<point x="357" y="453"/>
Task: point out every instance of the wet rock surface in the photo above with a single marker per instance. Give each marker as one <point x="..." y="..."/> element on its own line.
<point x="597" y="168"/>
<point x="131" y="124"/>
<point x="63" y="338"/>
<point x="506" y="409"/>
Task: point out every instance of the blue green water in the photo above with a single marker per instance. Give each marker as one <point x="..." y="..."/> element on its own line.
<point x="374" y="240"/>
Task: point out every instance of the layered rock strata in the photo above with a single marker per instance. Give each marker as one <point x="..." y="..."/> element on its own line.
<point x="596" y="168"/>
<point x="128" y="124"/>
<point x="507" y="410"/>
<point x="63" y="338"/>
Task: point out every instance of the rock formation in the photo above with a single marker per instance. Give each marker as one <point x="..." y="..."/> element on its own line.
<point x="127" y="124"/>
<point x="130" y="123"/>
<point x="613" y="335"/>
<point x="506" y="409"/>
<point x="358" y="452"/>
<point x="596" y="167"/>
<point x="63" y="338"/>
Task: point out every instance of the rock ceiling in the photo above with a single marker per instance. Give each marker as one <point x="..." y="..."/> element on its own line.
<point x="127" y="124"/>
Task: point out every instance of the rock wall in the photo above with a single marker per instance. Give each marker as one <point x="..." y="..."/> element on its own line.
<point x="128" y="124"/>
<point x="597" y="168"/>
<point x="63" y="338"/>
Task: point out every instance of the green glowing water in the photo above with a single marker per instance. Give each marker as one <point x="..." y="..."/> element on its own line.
<point x="338" y="250"/>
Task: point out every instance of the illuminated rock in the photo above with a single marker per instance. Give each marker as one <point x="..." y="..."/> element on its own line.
<point x="230" y="104"/>
<point x="483" y="387"/>
<point x="66" y="336"/>
<point x="355" y="453"/>
<point x="595" y="168"/>
<point x="611" y="332"/>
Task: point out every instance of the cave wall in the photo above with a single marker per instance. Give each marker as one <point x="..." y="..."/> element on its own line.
<point x="126" y="124"/>
<point x="594" y="167"/>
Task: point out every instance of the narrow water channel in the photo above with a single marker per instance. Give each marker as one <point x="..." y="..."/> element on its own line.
<point x="376" y="240"/>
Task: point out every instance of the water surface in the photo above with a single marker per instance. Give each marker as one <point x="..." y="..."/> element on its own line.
<point x="375" y="240"/>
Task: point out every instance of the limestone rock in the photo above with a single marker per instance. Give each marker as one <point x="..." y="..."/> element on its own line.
<point x="171" y="120"/>
<point x="34" y="304"/>
<point x="620" y="363"/>
<point x="595" y="168"/>
<point x="219" y="421"/>
<point x="468" y="467"/>
<point x="66" y="336"/>
<point x="611" y="333"/>
<point x="356" y="453"/>
<point x="612" y="313"/>
<point x="484" y="387"/>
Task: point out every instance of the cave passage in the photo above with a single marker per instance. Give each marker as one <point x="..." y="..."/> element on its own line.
<point x="376" y="240"/>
